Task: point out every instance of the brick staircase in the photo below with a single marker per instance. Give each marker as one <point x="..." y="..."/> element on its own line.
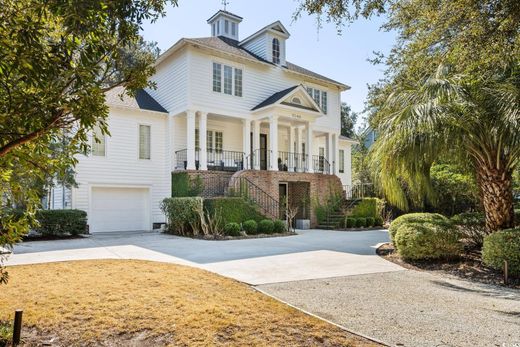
<point x="335" y="218"/>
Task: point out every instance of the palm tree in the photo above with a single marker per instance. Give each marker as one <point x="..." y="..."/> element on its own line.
<point x="474" y="120"/>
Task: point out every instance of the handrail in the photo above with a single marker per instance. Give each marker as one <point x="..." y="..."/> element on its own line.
<point x="320" y="164"/>
<point x="358" y="191"/>
<point x="248" y="190"/>
<point x="216" y="160"/>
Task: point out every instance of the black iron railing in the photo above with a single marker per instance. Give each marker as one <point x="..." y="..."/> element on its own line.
<point x="320" y="164"/>
<point x="243" y="187"/>
<point x="259" y="159"/>
<point x="359" y="191"/>
<point x="294" y="162"/>
<point x="217" y="160"/>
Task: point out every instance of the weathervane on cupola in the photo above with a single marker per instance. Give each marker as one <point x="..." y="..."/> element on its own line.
<point x="224" y="4"/>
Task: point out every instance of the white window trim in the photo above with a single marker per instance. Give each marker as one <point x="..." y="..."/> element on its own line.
<point x="139" y="141"/>
<point x="233" y="66"/>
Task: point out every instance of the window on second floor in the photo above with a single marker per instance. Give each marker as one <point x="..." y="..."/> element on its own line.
<point x="98" y="143"/>
<point x="229" y="81"/>
<point x="320" y="97"/>
<point x="276" y="51"/>
<point x="341" y="161"/>
<point x="144" y="142"/>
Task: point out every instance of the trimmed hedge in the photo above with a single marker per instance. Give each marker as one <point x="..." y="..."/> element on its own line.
<point x="250" y="227"/>
<point x="379" y="221"/>
<point x="368" y="207"/>
<point x="412" y="218"/>
<point x="233" y="209"/>
<point x="279" y="226"/>
<point x="350" y="222"/>
<point x="61" y="222"/>
<point x="361" y="222"/>
<point x="371" y="221"/>
<point x="503" y="245"/>
<point x="182" y="214"/>
<point x="183" y="186"/>
<point x="232" y="229"/>
<point x="266" y="226"/>
<point x="428" y="237"/>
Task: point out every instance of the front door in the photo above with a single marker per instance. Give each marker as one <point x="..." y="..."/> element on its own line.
<point x="263" y="152"/>
<point x="283" y="199"/>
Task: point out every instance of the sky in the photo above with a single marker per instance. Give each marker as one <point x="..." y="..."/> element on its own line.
<point x="340" y="57"/>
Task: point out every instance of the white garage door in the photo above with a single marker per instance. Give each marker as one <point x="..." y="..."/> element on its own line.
<point x="119" y="209"/>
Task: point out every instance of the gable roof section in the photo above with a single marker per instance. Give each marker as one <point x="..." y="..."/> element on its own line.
<point x="276" y="26"/>
<point x="276" y="98"/>
<point x="227" y="13"/>
<point x="141" y="101"/>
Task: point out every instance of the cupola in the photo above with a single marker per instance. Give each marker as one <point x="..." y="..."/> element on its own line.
<point x="224" y="23"/>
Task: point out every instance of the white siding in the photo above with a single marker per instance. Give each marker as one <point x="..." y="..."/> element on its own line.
<point x="258" y="46"/>
<point x="346" y="177"/>
<point x="121" y="167"/>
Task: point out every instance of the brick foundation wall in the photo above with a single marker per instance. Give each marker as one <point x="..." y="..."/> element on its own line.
<point x="214" y="182"/>
<point x="320" y="186"/>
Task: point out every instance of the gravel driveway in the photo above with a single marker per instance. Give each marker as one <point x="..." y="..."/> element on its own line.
<point x="410" y="308"/>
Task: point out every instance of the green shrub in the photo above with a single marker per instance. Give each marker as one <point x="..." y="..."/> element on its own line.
<point x="279" y="226"/>
<point x="266" y="226"/>
<point x="368" y="207"/>
<point x="6" y="333"/>
<point x="232" y="229"/>
<point x="250" y="227"/>
<point x="378" y="222"/>
<point x="371" y="221"/>
<point x="503" y="245"/>
<point x="517" y="217"/>
<point x="361" y="222"/>
<point x="472" y="225"/>
<point x="182" y="215"/>
<point x="184" y="186"/>
<point x="414" y="218"/>
<point x="428" y="240"/>
<point x="350" y="222"/>
<point x="61" y="222"/>
<point x="233" y="209"/>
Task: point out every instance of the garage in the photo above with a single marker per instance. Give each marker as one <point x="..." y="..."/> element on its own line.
<point x="119" y="209"/>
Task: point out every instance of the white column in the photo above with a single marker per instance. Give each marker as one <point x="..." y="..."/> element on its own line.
<point x="291" y="160"/>
<point x="246" y="142"/>
<point x="273" y="142"/>
<point x="330" y="151"/>
<point x="190" y="140"/>
<point x="308" y="147"/>
<point x="203" y="129"/>
<point x="299" y="139"/>
<point x="256" y="145"/>
<point x="336" y="154"/>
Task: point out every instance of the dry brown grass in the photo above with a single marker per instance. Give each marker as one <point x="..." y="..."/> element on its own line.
<point x="125" y="302"/>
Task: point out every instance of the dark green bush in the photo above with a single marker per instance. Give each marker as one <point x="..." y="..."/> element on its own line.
<point x="378" y="221"/>
<point x="61" y="222"/>
<point x="429" y="239"/>
<point x="371" y="221"/>
<point x="182" y="214"/>
<point x="368" y="207"/>
<point x="361" y="222"/>
<point x="233" y="209"/>
<point x="412" y="218"/>
<point x="266" y="226"/>
<point x="184" y="186"/>
<point x="517" y="217"/>
<point x="472" y="225"/>
<point x="250" y="227"/>
<point x="232" y="229"/>
<point x="503" y="245"/>
<point x="279" y="226"/>
<point x="350" y="222"/>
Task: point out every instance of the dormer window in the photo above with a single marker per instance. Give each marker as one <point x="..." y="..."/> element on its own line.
<point x="276" y="51"/>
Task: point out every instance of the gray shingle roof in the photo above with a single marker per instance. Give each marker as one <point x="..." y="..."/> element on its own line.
<point x="274" y="98"/>
<point x="142" y="100"/>
<point x="231" y="46"/>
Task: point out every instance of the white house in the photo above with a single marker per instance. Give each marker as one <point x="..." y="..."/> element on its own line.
<point x="222" y="104"/>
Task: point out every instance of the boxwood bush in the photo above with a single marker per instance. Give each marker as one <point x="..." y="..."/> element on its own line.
<point x="61" y="222"/>
<point x="428" y="239"/>
<point x="350" y="222"/>
<point x="266" y="226"/>
<point x="503" y="245"/>
<point x="182" y="214"/>
<point x="368" y="207"/>
<point x="250" y="227"/>
<point x="233" y="209"/>
<point x="371" y="221"/>
<point x="232" y="229"/>
<point x="378" y="221"/>
<point x="412" y="218"/>
<point x="361" y="222"/>
<point x="279" y="226"/>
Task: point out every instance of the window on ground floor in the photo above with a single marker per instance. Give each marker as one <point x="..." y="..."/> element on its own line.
<point x="219" y="141"/>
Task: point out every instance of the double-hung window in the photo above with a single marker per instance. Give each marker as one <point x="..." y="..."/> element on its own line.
<point x="228" y="81"/>
<point x="144" y="141"/>
<point x="98" y="143"/>
<point x="320" y="97"/>
<point x="219" y="141"/>
<point x="209" y="140"/>
<point x="341" y="161"/>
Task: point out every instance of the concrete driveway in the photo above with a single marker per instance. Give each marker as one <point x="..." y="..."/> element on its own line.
<point x="312" y="254"/>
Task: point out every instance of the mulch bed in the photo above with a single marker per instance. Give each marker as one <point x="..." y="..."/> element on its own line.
<point x="51" y="237"/>
<point x="468" y="267"/>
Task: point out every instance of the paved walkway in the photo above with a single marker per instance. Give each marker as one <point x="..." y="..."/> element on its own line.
<point x="311" y="254"/>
